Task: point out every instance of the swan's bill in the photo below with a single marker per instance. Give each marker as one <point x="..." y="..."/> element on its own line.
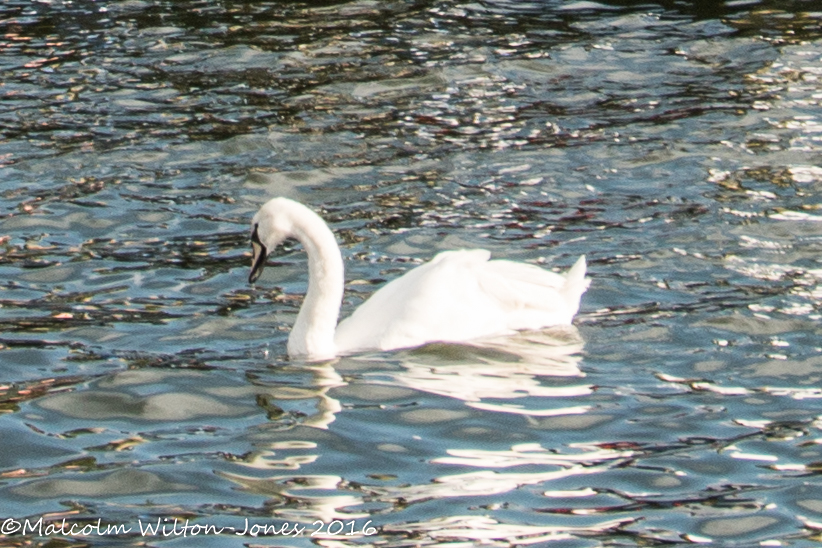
<point x="259" y="257"/>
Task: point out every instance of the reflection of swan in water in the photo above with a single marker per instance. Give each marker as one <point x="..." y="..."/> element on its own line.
<point x="490" y="374"/>
<point x="458" y="296"/>
<point x="504" y="368"/>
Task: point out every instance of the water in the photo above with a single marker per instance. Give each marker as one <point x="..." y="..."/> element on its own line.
<point x="142" y="380"/>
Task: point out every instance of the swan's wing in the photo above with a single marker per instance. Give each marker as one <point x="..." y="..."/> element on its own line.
<point x="459" y="295"/>
<point x="532" y="297"/>
<point x="417" y="307"/>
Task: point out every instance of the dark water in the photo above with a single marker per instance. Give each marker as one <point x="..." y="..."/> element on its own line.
<point x="142" y="380"/>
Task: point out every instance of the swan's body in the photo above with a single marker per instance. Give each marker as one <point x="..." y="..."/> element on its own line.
<point x="457" y="296"/>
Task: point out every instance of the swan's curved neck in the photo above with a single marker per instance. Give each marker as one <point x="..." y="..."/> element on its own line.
<point x="313" y="333"/>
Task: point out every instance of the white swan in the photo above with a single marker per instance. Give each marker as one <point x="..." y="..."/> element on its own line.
<point x="457" y="296"/>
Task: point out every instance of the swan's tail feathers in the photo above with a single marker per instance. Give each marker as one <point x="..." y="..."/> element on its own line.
<point x="576" y="283"/>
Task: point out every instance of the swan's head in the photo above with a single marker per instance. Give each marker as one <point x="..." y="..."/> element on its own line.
<point x="269" y="228"/>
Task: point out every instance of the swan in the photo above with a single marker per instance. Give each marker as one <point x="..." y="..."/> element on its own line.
<point x="457" y="296"/>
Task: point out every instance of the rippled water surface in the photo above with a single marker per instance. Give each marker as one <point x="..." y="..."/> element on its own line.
<point x="142" y="380"/>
